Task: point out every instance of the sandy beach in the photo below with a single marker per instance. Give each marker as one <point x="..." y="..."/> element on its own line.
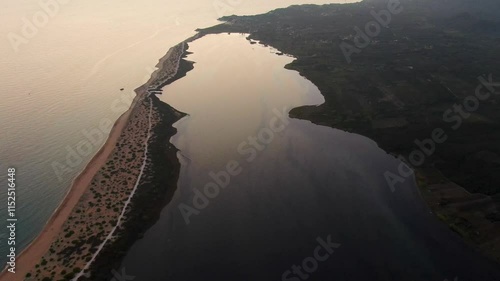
<point x="29" y="257"/>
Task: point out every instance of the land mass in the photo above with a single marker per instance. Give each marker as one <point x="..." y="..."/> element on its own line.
<point x="418" y="73"/>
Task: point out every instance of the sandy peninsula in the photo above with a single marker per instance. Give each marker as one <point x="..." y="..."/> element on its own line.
<point x="97" y="204"/>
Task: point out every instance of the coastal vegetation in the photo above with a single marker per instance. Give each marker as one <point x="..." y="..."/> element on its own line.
<point x="83" y="243"/>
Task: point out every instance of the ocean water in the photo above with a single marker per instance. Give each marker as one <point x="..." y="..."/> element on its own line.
<point x="62" y="65"/>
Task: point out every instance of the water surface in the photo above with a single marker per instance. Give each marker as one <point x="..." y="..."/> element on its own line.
<point x="305" y="182"/>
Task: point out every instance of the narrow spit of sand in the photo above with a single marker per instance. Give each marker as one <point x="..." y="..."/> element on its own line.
<point x="167" y="69"/>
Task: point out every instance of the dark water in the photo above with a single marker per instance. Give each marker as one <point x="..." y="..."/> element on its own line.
<point x="309" y="183"/>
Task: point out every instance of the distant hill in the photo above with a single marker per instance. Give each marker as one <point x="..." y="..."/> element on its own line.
<point x="484" y="9"/>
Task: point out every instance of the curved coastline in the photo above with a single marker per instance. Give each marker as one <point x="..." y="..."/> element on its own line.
<point x="470" y="216"/>
<point x="35" y="250"/>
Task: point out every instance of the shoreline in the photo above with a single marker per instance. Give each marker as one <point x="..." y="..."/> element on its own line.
<point x="29" y="257"/>
<point x="40" y="245"/>
<point x="461" y="211"/>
